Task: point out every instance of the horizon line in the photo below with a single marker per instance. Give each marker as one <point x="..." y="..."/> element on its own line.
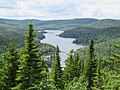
<point x="57" y="19"/>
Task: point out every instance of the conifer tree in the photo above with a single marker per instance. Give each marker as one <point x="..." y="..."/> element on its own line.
<point x="80" y="67"/>
<point x="114" y="69"/>
<point x="116" y="60"/>
<point x="56" y="72"/>
<point x="10" y="68"/>
<point x="97" y="80"/>
<point x="70" y="71"/>
<point x="91" y="67"/>
<point x="76" y="64"/>
<point x="30" y="68"/>
<point x="76" y="59"/>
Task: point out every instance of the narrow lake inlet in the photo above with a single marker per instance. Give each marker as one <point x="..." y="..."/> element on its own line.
<point x="65" y="44"/>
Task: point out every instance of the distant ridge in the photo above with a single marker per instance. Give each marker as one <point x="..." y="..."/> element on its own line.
<point x="66" y="24"/>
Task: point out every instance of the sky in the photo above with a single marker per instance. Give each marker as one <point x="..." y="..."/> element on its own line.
<point x="59" y="9"/>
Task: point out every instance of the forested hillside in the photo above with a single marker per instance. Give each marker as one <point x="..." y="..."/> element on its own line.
<point x="53" y="24"/>
<point x="100" y="31"/>
<point x="104" y="23"/>
<point x="83" y="34"/>
<point x="14" y="31"/>
<point x="95" y="67"/>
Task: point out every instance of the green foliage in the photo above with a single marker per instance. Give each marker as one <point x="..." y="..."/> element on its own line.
<point x="74" y="85"/>
<point x="114" y="70"/>
<point x="46" y="49"/>
<point x="97" y="80"/>
<point x="83" y="34"/>
<point x="78" y="65"/>
<point x="104" y="23"/>
<point x="72" y="68"/>
<point x="69" y="69"/>
<point x="95" y="69"/>
<point x="56" y="72"/>
<point x="102" y="50"/>
<point x="9" y="69"/>
<point x="64" y="24"/>
<point x="16" y="32"/>
<point x="90" y="67"/>
<point x="30" y="67"/>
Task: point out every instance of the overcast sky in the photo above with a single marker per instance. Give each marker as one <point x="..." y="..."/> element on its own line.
<point x="59" y="9"/>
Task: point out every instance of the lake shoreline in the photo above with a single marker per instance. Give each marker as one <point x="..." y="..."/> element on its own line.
<point x="65" y="44"/>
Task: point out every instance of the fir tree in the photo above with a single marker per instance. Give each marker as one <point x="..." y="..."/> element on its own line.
<point x="114" y="70"/>
<point x="80" y="67"/>
<point x="30" y="68"/>
<point x="10" y="68"/>
<point x="70" y="71"/>
<point x="77" y="64"/>
<point x="91" y="67"/>
<point x="56" y="73"/>
<point x="97" y="80"/>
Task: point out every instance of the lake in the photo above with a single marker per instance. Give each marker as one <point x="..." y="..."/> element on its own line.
<point x="65" y="44"/>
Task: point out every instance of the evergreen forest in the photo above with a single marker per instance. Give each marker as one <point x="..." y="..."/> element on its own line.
<point x="95" y="67"/>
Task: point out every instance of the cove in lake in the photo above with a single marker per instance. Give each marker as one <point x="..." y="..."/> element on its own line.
<point x="65" y="44"/>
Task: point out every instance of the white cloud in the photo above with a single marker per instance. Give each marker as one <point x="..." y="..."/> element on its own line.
<point x="60" y="9"/>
